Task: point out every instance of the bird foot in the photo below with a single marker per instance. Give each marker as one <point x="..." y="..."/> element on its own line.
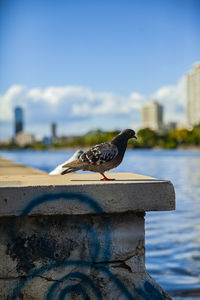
<point x="106" y="178"/>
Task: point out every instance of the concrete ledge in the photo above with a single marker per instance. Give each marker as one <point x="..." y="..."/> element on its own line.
<point x="75" y="236"/>
<point x="51" y="195"/>
<point x="8" y="167"/>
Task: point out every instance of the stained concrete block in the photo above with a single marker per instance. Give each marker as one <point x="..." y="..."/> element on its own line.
<point x="75" y="237"/>
<point x="96" y="238"/>
<point x="99" y="256"/>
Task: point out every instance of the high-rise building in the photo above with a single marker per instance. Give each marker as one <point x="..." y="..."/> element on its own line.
<point x="193" y="96"/>
<point x="19" y="120"/>
<point x="152" y="115"/>
<point x="53" y="130"/>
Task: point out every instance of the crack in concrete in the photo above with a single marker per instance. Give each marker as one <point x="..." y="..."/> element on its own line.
<point x="112" y="261"/>
<point x="23" y="277"/>
<point x="124" y="266"/>
<point x="120" y="263"/>
<point x="12" y="277"/>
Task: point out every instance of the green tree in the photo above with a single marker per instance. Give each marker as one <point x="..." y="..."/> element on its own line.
<point x="147" y="138"/>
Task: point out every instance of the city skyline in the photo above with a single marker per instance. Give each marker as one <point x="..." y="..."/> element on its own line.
<point x="152" y="112"/>
<point x="77" y="110"/>
<point x="88" y="65"/>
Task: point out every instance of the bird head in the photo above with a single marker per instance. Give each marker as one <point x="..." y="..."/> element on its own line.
<point x="128" y="133"/>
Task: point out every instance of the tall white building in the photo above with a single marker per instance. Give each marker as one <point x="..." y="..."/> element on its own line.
<point x="152" y="115"/>
<point x="193" y="96"/>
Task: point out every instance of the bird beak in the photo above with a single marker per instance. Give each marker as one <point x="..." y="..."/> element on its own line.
<point x="135" y="137"/>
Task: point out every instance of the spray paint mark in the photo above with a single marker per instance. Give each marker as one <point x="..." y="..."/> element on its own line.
<point x="88" y="284"/>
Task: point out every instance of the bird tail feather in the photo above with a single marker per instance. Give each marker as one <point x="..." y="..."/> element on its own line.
<point x="72" y="166"/>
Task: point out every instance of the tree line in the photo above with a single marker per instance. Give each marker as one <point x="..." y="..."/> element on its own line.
<point x="172" y="139"/>
<point x="146" y="138"/>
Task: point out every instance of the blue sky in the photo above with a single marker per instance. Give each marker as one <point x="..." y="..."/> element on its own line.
<point x="121" y="48"/>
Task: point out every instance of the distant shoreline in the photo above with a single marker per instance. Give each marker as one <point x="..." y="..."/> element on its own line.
<point x="146" y="139"/>
<point x="195" y="148"/>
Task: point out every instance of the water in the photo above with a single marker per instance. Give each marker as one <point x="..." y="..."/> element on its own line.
<point x="172" y="238"/>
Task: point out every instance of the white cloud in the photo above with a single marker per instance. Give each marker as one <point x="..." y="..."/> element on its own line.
<point x="12" y="97"/>
<point x="173" y="99"/>
<point x="76" y="108"/>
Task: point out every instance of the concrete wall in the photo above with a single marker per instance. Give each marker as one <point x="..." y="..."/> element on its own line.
<point x="78" y="238"/>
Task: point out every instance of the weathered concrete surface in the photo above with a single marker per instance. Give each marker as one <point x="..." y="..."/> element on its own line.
<point x="75" y="237"/>
<point x="129" y="192"/>
<point x="8" y="167"/>
<point x="101" y="256"/>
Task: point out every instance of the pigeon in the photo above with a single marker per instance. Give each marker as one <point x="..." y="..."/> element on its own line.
<point x="102" y="157"/>
<point x="59" y="170"/>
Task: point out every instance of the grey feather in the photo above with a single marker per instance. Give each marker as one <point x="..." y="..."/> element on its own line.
<point x="59" y="170"/>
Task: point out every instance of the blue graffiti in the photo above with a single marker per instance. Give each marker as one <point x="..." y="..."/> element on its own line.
<point x="75" y="197"/>
<point x="51" y="295"/>
<point x="85" y="283"/>
<point x="78" y="289"/>
<point x="149" y="291"/>
<point x="60" y="196"/>
<point x="76" y="263"/>
<point x="95" y="245"/>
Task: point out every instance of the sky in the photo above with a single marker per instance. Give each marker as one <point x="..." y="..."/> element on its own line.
<point x="93" y="64"/>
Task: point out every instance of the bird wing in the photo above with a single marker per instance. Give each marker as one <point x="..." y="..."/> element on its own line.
<point x="100" y="154"/>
